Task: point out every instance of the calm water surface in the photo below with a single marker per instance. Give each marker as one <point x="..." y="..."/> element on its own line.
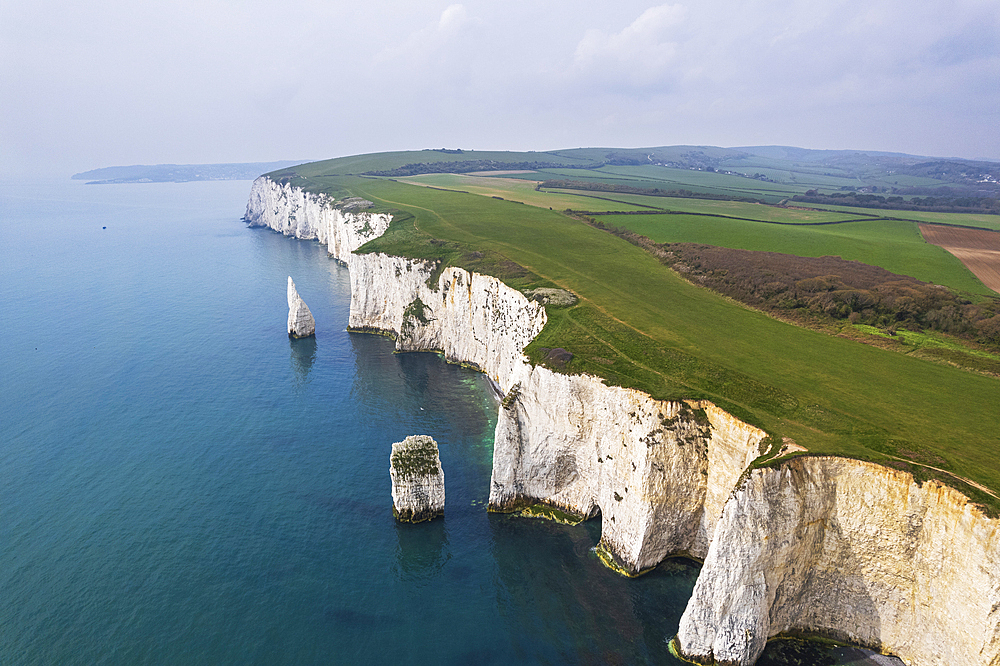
<point x="182" y="484"/>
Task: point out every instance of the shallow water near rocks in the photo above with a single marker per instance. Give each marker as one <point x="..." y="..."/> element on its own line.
<point x="184" y="484"/>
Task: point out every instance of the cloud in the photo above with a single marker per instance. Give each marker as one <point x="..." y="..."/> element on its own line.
<point x="452" y="18"/>
<point x="433" y="39"/>
<point x="641" y="53"/>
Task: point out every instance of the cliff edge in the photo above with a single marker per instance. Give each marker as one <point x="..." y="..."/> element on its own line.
<point x="852" y="551"/>
<point x="825" y="546"/>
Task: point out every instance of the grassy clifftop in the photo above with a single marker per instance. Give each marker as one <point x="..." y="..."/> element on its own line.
<point x="638" y="324"/>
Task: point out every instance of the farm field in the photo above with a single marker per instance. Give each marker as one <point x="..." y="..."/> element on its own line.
<point x="523" y="190"/>
<point x="708" y="183"/>
<point x="735" y="209"/>
<point x="894" y="245"/>
<point x="638" y="324"/>
<point x="978" y="250"/>
<point x="359" y="164"/>
<point x="692" y="178"/>
<point x="979" y="220"/>
<point x="513" y="190"/>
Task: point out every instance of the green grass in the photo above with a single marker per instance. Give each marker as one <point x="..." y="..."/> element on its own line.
<point x="513" y="189"/>
<point x="925" y="340"/>
<point x="977" y="220"/>
<point x="933" y="345"/>
<point x="693" y="177"/>
<point x="695" y="181"/>
<point x="358" y="164"/>
<point x="896" y="246"/>
<point x="524" y="190"/>
<point x="737" y="209"/>
<point x="638" y="324"/>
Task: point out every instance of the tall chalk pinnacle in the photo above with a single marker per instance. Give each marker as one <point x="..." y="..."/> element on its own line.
<point x="300" y="321"/>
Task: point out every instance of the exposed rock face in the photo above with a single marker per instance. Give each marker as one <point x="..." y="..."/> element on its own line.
<point x="647" y="465"/>
<point x="828" y="546"/>
<point x="853" y="551"/>
<point x="471" y="318"/>
<point x="567" y="441"/>
<point x="300" y="321"/>
<point x="417" y="479"/>
<point x="342" y="226"/>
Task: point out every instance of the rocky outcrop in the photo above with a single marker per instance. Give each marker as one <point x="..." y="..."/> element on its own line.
<point x="417" y="479"/>
<point x="817" y="545"/>
<point x="852" y="551"/>
<point x="300" y="320"/>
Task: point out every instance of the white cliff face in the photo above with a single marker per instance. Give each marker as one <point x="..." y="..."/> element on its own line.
<point x="853" y="551"/>
<point x="300" y="320"/>
<point x="566" y="441"/>
<point x="342" y="226"/>
<point x="652" y="468"/>
<point x="417" y="479"/>
<point x="471" y="318"/>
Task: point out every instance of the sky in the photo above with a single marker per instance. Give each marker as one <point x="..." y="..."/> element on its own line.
<point x="92" y="84"/>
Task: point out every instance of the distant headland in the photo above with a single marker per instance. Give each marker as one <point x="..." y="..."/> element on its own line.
<point x="180" y="173"/>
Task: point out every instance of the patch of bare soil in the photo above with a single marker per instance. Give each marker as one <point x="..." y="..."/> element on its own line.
<point x="978" y="249"/>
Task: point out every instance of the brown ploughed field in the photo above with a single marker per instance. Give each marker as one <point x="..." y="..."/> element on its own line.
<point x="978" y="249"/>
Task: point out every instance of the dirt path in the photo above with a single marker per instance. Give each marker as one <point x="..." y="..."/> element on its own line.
<point x="977" y="249"/>
<point x="955" y="476"/>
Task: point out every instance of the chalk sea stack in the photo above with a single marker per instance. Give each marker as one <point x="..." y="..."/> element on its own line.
<point x="300" y="321"/>
<point x="417" y="479"/>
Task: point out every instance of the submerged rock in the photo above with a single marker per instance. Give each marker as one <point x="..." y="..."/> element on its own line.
<point x="417" y="479"/>
<point x="300" y="321"/>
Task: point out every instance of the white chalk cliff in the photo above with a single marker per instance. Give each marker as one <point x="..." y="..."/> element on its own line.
<point x="662" y="475"/>
<point x="343" y="226"/>
<point x="853" y="551"/>
<point x="300" y="320"/>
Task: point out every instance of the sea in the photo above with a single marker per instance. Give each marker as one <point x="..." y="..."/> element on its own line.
<point x="181" y="483"/>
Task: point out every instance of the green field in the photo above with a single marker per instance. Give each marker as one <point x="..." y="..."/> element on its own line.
<point x="735" y="209"/>
<point x="896" y="246"/>
<point x="980" y="221"/>
<point x="690" y="178"/>
<point x="359" y="164"/>
<point x="512" y="189"/>
<point x="524" y="190"/>
<point x="638" y="324"/>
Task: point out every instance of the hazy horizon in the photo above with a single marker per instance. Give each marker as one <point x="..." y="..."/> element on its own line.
<point x="116" y="84"/>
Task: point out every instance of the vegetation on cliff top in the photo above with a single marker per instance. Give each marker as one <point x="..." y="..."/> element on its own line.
<point x="638" y="324"/>
<point x="415" y="458"/>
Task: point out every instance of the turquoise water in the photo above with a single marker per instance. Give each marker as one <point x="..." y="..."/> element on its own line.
<point x="182" y="484"/>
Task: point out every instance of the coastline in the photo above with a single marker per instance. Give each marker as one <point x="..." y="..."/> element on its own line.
<point x="533" y="425"/>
